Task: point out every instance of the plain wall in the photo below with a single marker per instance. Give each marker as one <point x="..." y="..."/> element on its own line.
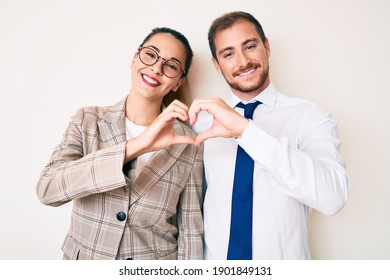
<point x="56" y="56"/>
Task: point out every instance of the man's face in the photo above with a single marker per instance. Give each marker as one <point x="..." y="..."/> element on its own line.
<point x="242" y="59"/>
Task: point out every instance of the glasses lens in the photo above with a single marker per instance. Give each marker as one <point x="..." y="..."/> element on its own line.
<point x="148" y="56"/>
<point x="171" y="68"/>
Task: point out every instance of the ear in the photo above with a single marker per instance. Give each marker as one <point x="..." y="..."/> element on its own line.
<point x="134" y="59"/>
<point x="216" y="65"/>
<point x="178" y="84"/>
<point x="267" y="47"/>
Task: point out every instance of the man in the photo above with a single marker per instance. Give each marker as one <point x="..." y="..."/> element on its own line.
<point x="292" y="143"/>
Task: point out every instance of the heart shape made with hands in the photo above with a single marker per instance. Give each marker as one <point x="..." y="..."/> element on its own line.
<point x="214" y="118"/>
<point x="210" y="118"/>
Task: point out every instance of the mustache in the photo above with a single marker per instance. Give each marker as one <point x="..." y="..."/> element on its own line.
<point x="247" y="67"/>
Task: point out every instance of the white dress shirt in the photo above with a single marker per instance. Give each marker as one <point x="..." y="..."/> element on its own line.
<point x="298" y="166"/>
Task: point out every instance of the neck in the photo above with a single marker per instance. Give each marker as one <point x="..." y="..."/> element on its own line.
<point x="140" y="111"/>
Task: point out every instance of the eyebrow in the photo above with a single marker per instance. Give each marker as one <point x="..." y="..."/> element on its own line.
<point x="158" y="50"/>
<point x="255" y="40"/>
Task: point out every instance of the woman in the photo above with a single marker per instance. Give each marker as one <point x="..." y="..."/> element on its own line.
<point x="131" y="169"/>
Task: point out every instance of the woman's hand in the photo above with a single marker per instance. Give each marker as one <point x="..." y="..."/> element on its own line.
<point x="160" y="133"/>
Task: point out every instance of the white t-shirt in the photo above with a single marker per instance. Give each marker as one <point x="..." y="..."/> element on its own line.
<point x="134" y="130"/>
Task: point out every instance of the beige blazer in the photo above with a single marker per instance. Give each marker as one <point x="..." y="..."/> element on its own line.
<point x="154" y="216"/>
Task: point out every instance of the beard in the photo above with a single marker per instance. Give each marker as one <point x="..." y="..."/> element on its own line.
<point x="248" y="87"/>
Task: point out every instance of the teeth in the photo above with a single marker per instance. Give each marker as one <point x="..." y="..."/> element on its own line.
<point x="150" y="80"/>
<point x="247" y="72"/>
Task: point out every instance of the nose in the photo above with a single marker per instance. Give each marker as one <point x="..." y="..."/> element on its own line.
<point x="157" y="67"/>
<point x="242" y="59"/>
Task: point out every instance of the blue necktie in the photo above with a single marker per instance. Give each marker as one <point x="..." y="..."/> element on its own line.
<point x="240" y="241"/>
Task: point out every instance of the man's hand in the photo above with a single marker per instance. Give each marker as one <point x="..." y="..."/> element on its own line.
<point x="227" y="122"/>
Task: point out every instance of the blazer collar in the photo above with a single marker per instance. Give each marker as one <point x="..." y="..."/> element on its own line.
<point x="112" y="123"/>
<point x="116" y="112"/>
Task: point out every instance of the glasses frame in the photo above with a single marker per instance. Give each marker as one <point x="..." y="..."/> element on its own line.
<point x="182" y="71"/>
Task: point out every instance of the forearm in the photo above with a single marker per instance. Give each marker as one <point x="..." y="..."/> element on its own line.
<point x="134" y="148"/>
<point x="313" y="172"/>
<point x="65" y="179"/>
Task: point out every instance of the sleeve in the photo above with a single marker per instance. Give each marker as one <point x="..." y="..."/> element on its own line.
<point x="71" y="174"/>
<point x="313" y="171"/>
<point x="190" y="221"/>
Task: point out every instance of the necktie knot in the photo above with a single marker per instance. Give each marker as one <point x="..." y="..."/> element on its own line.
<point x="248" y="108"/>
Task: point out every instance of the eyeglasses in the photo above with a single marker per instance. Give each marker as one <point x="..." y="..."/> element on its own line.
<point x="170" y="68"/>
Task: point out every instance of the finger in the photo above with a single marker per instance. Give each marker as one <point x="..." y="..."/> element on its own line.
<point x="181" y="139"/>
<point x="180" y="115"/>
<point x="179" y="109"/>
<point x="169" y="118"/>
<point x="204" y="135"/>
<point x="183" y="114"/>
<point x="196" y="107"/>
<point x="178" y="103"/>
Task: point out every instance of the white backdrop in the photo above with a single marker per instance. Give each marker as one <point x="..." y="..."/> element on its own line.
<point x="56" y="56"/>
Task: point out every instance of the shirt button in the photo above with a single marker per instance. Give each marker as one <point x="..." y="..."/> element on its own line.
<point x="121" y="216"/>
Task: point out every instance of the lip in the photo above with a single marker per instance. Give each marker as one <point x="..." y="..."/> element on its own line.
<point x="247" y="72"/>
<point x="150" y="81"/>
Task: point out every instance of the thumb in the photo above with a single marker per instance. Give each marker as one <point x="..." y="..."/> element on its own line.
<point x="179" y="139"/>
<point x="204" y="135"/>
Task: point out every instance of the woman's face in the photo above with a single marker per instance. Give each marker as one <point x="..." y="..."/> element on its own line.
<point x="150" y="81"/>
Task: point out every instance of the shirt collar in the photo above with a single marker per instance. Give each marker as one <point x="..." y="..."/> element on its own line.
<point x="266" y="97"/>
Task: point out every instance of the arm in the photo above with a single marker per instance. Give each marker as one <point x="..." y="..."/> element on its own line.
<point x="72" y="174"/>
<point x="313" y="171"/>
<point x="190" y="222"/>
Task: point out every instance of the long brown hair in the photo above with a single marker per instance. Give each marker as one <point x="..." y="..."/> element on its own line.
<point x="182" y="94"/>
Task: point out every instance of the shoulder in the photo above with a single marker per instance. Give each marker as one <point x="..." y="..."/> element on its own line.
<point x="300" y="106"/>
<point x="93" y="114"/>
<point x="303" y="114"/>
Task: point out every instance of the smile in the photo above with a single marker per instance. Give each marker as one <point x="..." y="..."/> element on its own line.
<point x="247" y="72"/>
<point x="150" y="81"/>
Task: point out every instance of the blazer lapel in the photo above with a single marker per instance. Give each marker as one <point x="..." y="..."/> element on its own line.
<point x="157" y="166"/>
<point x="112" y="125"/>
<point x="113" y="131"/>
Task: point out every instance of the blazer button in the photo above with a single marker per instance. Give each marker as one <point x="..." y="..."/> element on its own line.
<point x="121" y="216"/>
